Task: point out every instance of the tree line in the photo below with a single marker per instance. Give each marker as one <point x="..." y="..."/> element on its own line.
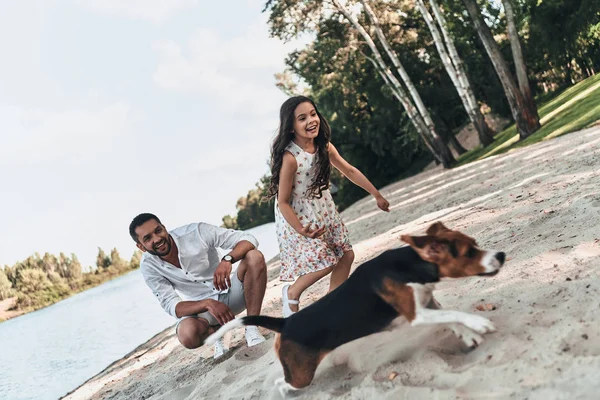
<point x="39" y="281"/>
<point x="398" y="79"/>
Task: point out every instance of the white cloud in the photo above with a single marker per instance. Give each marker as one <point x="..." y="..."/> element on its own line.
<point x="156" y="11"/>
<point x="34" y="136"/>
<point x="237" y="72"/>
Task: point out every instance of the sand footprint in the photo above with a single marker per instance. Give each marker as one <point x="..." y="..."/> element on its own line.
<point x="253" y="353"/>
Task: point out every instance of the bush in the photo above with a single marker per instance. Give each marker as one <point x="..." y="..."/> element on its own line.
<point x="32" y="280"/>
<point x="6" y="289"/>
<point x="41" y="298"/>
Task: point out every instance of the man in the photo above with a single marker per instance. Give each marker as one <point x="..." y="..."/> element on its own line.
<point x="184" y="263"/>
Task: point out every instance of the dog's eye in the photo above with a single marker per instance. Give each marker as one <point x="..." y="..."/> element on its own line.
<point x="472" y="252"/>
<point x="453" y="250"/>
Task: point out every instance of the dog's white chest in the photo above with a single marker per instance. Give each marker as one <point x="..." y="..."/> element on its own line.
<point x="422" y="293"/>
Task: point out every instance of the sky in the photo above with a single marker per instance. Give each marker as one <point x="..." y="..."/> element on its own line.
<point x="110" y="108"/>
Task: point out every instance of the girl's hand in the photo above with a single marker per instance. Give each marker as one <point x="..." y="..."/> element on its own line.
<point x="382" y="203"/>
<point x="312" y="234"/>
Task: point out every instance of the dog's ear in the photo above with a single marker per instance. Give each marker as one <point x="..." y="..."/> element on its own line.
<point x="427" y="247"/>
<point x="436" y="229"/>
<point x="416" y="242"/>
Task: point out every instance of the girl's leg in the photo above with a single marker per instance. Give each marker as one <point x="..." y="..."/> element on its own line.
<point x="341" y="270"/>
<point x="303" y="283"/>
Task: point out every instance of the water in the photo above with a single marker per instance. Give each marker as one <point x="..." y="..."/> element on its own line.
<point x="47" y="353"/>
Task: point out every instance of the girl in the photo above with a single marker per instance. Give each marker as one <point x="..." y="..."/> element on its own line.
<point x="313" y="240"/>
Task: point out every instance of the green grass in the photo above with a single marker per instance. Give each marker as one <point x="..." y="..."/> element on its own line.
<point x="560" y="113"/>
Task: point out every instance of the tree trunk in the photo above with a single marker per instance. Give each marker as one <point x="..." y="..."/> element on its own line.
<point x="517" y="52"/>
<point x="481" y="124"/>
<point x="446" y="155"/>
<point x="527" y="123"/>
<point x="456" y="144"/>
<point x="429" y="136"/>
<point x="401" y="96"/>
<point x="462" y="84"/>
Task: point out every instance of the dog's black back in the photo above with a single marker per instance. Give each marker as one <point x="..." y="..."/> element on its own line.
<point x="354" y="309"/>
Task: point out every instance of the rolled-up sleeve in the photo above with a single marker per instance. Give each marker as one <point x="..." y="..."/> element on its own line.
<point x="224" y="238"/>
<point x="163" y="290"/>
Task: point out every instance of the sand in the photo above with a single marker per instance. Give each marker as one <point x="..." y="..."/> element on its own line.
<point x="539" y="204"/>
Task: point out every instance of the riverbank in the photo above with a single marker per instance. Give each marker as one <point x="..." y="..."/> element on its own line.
<point x="539" y="204"/>
<point x="9" y="308"/>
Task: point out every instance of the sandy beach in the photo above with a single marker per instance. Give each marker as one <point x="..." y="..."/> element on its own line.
<point x="539" y="204"/>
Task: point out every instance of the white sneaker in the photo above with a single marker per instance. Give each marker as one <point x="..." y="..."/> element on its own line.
<point x="219" y="349"/>
<point x="253" y="336"/>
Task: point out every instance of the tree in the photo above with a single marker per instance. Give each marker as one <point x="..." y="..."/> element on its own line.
<point x="420" y="118"/>
<point x="49" y="263"/>
<point x="252" y="209"/>
<point x="57" y="281"/>
<point x="102" y="260"/>
<point x="517" y="52"/>
<point x="229" y="222"/>
<point x="136" y="258"/>
<point x="454" y="67"/>
<point x="526" y="120"/>
<point x="116" y="261"/>
<point x="562" y="40"/>
<point x="32" y="280"/>
<point x="69" y="268"/>
<point x="6" y="289"/>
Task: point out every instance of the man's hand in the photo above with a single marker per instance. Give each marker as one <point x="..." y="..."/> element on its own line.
<point x="311" y="234"/>
<point x="220" y="311"/>
<point x="222" y="277"/>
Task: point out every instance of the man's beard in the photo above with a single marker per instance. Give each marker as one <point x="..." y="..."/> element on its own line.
<point x="155" y="252"/>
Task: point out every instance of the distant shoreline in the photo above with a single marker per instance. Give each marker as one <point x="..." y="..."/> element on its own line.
<point x="5" y="305"/>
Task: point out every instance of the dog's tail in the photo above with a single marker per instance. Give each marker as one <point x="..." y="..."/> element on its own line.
<point x="271" y="323"/>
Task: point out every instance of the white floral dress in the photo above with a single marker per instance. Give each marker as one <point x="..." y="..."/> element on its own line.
<point x="301" y="255"/>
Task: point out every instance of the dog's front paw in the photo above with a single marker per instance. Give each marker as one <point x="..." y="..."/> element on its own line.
<point x="469" y="337"/>
<point x="479" y="324"/>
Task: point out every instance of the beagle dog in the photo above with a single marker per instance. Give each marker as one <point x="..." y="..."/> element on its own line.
<point x="398" y="282"/>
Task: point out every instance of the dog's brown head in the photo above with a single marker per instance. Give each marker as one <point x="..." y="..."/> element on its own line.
<point x="455" y="253"/>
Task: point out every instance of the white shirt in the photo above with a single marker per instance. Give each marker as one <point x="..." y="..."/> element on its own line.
<point x="198" y="256"/>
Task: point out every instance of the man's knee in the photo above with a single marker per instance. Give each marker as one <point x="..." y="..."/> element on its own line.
<point x="192" y="332"/>
<point x="255" y="260"/>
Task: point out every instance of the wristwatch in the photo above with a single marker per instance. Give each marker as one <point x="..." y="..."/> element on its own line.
<point x="227" y="258"/>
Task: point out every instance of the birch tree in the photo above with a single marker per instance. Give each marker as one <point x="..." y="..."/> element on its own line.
<point x="527" y="121"/>
<point x="420" y="117"/>
<point x="455" y="68"/>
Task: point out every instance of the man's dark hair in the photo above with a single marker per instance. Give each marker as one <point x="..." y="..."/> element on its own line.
<point x="139" y="221"/>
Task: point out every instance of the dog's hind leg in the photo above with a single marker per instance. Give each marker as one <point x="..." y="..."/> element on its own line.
<point x="469" y="337"/>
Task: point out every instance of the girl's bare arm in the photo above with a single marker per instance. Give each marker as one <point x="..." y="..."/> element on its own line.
<point x="357" y="177"/>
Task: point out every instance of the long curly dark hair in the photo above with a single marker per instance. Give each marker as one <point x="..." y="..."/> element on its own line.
<point x="285" y="135"/>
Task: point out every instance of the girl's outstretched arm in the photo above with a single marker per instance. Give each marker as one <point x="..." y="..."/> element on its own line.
<point x="286" y="182"/>
<point x="356" y="177"/>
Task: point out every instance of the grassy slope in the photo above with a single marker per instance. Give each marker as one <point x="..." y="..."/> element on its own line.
<point x="570" y="110"/>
